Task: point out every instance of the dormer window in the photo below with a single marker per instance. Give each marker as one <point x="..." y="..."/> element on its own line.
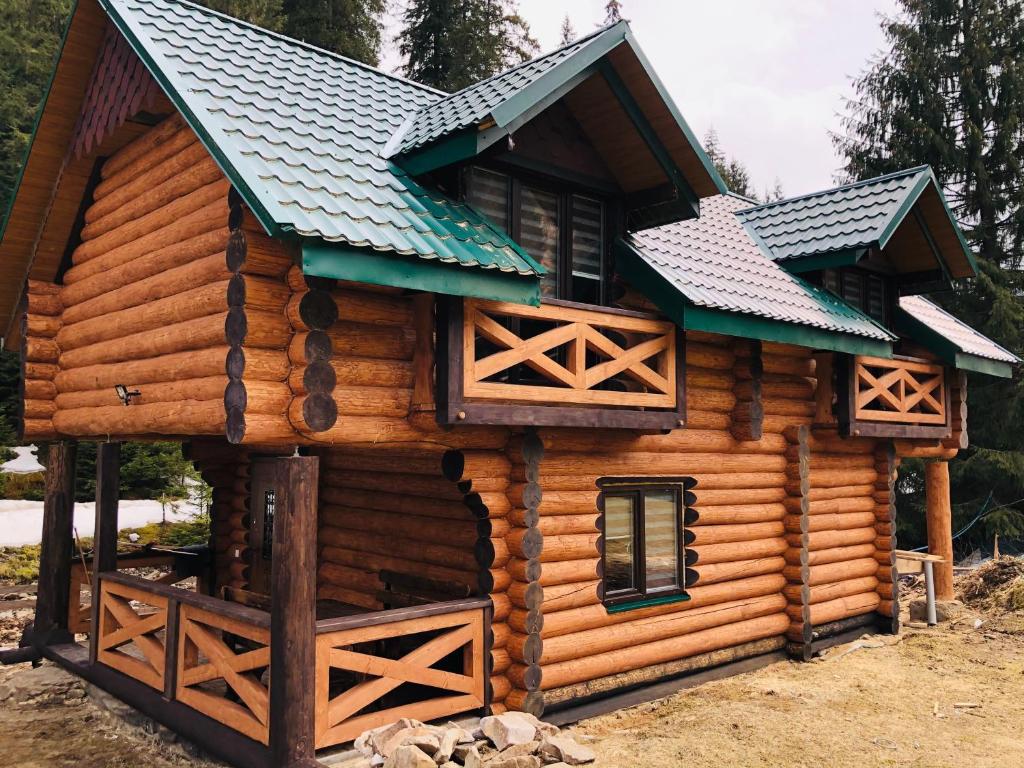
<point x="560" y="228"/>
<point x="866" y="291"/>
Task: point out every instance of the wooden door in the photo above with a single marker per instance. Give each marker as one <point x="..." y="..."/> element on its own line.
<point x="262" y="504"/>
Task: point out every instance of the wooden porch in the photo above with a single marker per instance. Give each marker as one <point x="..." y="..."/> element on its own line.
<point x="254" y="680"/>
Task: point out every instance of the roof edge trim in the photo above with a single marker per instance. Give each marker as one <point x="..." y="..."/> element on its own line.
<point x="344" y="262"/>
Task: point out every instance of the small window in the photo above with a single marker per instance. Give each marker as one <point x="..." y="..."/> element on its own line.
<point x="269" y="507"/>
<point x="643" y="540"/>
<point x="865" y="291"/>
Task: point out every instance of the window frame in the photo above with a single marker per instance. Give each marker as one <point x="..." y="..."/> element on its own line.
<point x="637" y="488"/>
<point x="564" y="191"/>
<point x="864" y="277"/>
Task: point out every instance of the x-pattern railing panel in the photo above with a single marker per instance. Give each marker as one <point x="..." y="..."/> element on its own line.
<point x="338" y="718"/>
<point x="646" y="361"/>
<point x="904" y="391"/>
<point x="124" y="627"/>
<point x="204" y="656"/>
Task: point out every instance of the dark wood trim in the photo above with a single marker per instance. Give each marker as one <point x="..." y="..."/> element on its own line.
<point x="104" y="548"/>
<point x="172" y="638"/>
<point x="400" y="614"/>
<point x="242" y="613"/>
<point x="54" y="593"/>
<point x="220" y="741"/>
<point x="617" y="311"/>
<point x="568" y="706"/>
<point x="293" y="620"/>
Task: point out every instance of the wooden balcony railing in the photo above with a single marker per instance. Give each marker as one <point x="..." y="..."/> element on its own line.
<point x="205" y="653"/>
<point x="559" y="364"/>
<point x="375" y="653"/>
<point x="898" y="397"/>
<point x="80" y="604"/>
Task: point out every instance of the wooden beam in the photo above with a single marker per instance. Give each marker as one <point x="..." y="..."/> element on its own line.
<point x="939" y="517"/>
<point x="293" y="618"/>
<point x="51" y="621"/>
<point x="104" y="548"/>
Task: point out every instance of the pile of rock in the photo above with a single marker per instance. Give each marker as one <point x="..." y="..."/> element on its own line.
<point x="509" y="740"/>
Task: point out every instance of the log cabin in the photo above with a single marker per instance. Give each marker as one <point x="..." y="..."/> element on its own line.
<point x="507" y="403"/>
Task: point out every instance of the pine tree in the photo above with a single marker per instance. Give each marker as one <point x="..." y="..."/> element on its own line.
<point x="350" y="27"/>
<point x="567" y="31"/>
<point x="612" y="12"/>
<point x="262" y="13"/>
<point x="449" y="44"/>
<point x="949" y="92"/>
<point x="732" y="171"/>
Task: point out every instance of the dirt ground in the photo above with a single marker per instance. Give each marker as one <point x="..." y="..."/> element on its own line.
<point x="948" y="696"/>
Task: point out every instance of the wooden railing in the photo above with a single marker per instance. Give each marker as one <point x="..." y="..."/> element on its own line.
<point x="898" y="397"/>
<point x="506" y="357"/>
<point x="208" y="654"/>
<point x="377" y="652"/>
<point x="80" y="604"/>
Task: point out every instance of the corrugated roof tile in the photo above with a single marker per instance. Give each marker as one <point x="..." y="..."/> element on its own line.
<point x="961" y="335"/>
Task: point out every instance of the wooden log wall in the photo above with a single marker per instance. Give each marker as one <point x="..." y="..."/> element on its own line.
<point x="226" y="469"/>
<point x="352" y="360"/>
<point x="833" y="530"/>
<point x="39" y="358"/>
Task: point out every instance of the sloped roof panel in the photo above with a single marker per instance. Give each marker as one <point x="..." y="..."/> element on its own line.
<point x="959" y="334"/>
<point x="714" y="263"/>
<point x="474" y="103"/>
<point x="852" y="216"/>
<point x="301" y="131"/>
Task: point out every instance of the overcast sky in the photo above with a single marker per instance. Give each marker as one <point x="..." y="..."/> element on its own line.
<point x="770" y="76"/>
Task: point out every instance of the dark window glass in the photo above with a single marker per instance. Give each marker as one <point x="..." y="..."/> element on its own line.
<point x="852" y="289"/>
<point x="875" y="305"/>
<point x="830" y="280"/>
<point x="538" y="234"/>
<point x="587" y="249"/>
<point x="643" y="529"/>
<point x="564" y="232"/>
<point x="487" y="191"/>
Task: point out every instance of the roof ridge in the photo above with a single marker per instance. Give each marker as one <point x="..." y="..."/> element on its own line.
<point x="301" y="44"/>
<point x="585" y="39"/>
<point x="841" y="188"/>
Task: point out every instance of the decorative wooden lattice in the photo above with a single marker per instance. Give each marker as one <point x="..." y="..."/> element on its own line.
<point x="207" y="667"/>
<point x="338" y="718"/>
<point x="574" y="355"/>
<point x="131" y="636"/>
<point x="900" y="391"/>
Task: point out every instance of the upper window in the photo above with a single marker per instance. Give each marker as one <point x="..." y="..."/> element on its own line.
<point x="565" y="232"/>
<point x="863" y="290"/>
<point x="643" y="540"/>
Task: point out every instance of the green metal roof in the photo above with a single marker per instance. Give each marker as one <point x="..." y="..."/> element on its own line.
<point x="844" y="219"/>
<point x="300" y="133"/>
<point x="954" y="340"/>
<point x="499" y="96"/>
<point x="712" y="270"/>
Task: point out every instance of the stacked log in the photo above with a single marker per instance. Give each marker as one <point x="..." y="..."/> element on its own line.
<point x="958" y="409"/>
<point x="748" y="415"/>
<point x="40" y="355"/>
<point x="832" y="568"/>
<point x="399" y="511"/>
<point x="886" y="464"/>
<point x="147" y="302"/>
<point x="257" y="330"/>
<point x="483" y="479"/>
<point x="226" y="469"/>
<point x="526" y="541"/>
<point x="352" y="359"/>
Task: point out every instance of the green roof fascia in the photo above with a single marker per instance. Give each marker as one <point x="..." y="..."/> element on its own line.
<point x="39" y="119"/>
<point x="650" y="137"/>
<point x="173" y="92"/>
<point x="947" y="350"/>
<point x="454" y="148"/>
<point x="361" y="265"/>
<point x="830" y="260"/>
<point x="691" y="317"/>
<point x="680" y="120"/>
<point x="927" y="178"/>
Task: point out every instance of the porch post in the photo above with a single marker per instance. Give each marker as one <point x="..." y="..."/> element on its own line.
<point x="51" y="620"/>
<point x="293" y="613"/>
<point x="939" y="517"/>
<point x="104" y="548"/>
